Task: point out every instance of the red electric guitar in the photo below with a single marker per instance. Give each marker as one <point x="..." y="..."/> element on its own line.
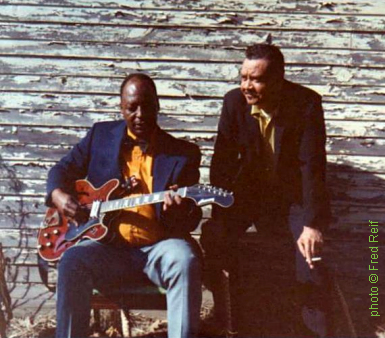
<point x="59" y="233"/>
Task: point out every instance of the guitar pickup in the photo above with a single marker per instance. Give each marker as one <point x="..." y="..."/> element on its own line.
<point x="95" y="209"/>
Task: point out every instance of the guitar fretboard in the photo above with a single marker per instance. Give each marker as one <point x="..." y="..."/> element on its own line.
<point x="136" y="201"/>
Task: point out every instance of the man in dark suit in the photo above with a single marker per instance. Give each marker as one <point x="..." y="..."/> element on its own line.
<point x="152" y="240"/>
<point x="270" y="150"/>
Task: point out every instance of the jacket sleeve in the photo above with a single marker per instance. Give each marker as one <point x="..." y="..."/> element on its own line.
<point x="70" y="168"/>
<point x="224" y="163"/>
<point x="312" y="156"/>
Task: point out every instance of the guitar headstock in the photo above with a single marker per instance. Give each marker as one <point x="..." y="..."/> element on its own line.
<point x="207" y="194"/>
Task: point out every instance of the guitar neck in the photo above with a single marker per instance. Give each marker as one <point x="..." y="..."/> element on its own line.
<point x="136" y="201"/>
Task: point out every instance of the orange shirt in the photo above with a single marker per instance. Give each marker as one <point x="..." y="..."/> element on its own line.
<point x="139" y="225"/>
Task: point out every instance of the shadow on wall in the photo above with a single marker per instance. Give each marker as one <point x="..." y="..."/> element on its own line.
<point x="18" y="241"/>
<point x="354" y="246"/>
<point x="269" y="305"/>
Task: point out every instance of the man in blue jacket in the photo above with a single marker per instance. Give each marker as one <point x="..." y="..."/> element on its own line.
<point x="152" y="240"/>
<point x="270" y="150"/>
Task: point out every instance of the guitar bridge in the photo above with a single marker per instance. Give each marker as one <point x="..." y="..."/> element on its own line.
<point x="95" y="209"/>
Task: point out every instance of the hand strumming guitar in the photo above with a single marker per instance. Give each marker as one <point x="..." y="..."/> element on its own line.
<point x="69" y="206"/>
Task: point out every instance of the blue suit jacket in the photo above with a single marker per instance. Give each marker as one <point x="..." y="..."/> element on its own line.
<point x="299" y="158"/>
<point x="97" y="157"/>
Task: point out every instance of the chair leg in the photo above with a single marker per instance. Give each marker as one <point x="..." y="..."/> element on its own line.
<point x="97" y="319"/>
<point x="3" y="325"/>
<point x="126" y="322"/>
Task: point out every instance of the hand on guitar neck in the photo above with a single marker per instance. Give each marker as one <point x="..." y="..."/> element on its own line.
<point x="69" y="206"/>
<point x="172" y="201"/>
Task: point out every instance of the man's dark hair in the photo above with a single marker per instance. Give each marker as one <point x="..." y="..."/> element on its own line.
<point x="140" y="77"/>
<point x="270" y="53"/>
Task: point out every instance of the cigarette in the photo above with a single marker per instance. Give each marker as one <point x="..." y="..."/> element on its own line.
<point x="316" y="259"/>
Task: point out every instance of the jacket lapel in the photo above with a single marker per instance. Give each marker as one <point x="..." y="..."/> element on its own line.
<point x="164" y="164"/>
<point x="254" y="132"/>
<point x="284" y="120"/>
<point x="278" y="133"/>
<point x="116" y="137"/>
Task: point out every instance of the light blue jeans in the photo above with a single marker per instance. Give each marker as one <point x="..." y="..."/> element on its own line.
<point x="172" y="264"/>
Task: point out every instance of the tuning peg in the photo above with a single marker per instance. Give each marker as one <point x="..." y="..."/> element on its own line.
<point x="49" y="244"/>
<point x="46" y="235"/>
<point x="56" y="232"/>
<point x="40" y="247"/>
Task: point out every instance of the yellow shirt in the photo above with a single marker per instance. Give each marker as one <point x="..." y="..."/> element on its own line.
<point x="267" y="131"/>
<point x="139" y="225"/>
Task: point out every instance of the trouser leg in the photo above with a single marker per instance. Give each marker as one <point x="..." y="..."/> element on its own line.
<point x="74" y="284"/>
<point x="223" y="278"/>
<point x="83" y="267"/>
<point x="314" y="286"/>
<point x="174" y="265"/>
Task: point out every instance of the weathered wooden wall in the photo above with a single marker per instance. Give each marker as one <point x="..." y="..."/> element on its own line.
<point x="61" y="63"/>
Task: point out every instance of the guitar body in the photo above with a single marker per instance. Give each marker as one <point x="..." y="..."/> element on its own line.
<point x="58" y="233"/>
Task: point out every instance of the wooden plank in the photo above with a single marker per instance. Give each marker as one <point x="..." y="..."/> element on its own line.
<point x="32" y="155"/>
<point x="26" y="238"/>
<point x="311" y="6"/>
<point x="19" y="205"/>
<point x="213" y="38"/>
<point x="71" y="75"/>
<point x="28" y="187"/>
<point x="178" y="89"/>
<point x="359" y="163"/>
<point x="23" y="169"/>
<point x="18" y="220"/>
<point x="23" y="274"/>
<point x="188" y="18"/>
<point x="21" y="256"/>
<point x="119" y="52"/>
<point x="43" y="71"/>
<point x="116" y="51"/>
<point x="190" y="109"/>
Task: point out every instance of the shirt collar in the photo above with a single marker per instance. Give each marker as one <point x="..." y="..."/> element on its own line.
<point x="258" y="112"/>
<point x="146" y="146"/>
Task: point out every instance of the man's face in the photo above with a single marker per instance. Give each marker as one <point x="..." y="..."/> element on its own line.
<point x="139" y="107"/>
<point x="259" y="84"/>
